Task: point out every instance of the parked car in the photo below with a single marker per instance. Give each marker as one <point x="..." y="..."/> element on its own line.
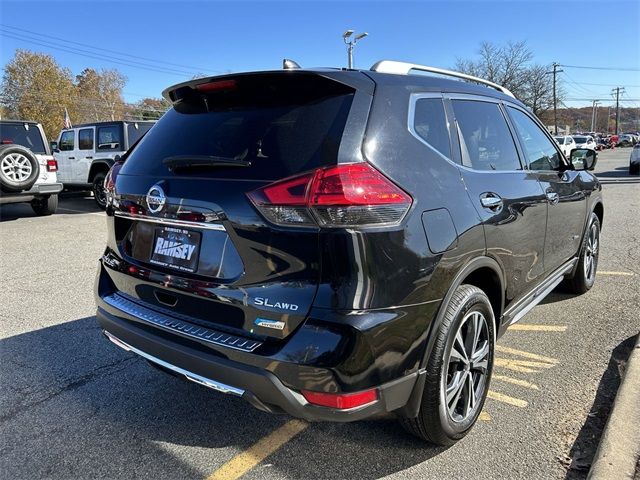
<point x="626" y="140"/>
<point x="602" y="144"/>
<point x="585" y="141"/>
<point x="634" y="160"/>
<point x="85" y="153"/>
<point x="27" y="169"/>
<point x="332" y="244"/>
<point x="567" y="144"/>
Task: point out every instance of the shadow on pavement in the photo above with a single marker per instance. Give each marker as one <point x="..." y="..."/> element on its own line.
<point x="68" y="204"/>
<point x="74" y="405"/>
<point x="586" y="444"/>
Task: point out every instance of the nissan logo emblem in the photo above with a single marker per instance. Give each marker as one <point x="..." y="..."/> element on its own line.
<point x="156" y="199"/>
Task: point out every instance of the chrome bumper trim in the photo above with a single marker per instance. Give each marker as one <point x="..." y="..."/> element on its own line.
<point x="193" y="377"/>
<point x="168" y="321"/>
<point x="170" y="221"/>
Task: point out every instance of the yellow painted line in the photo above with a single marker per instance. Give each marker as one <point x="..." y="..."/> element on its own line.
<point x="484" y="416"/>
<point x="528" y="327"/>
<point x="515" y="381"/>
<point x="245" y="461"/>
<point x="524" y="363"/>
<point x="510" y="365"/>
<point x="516" y="402"/>
<point x="626" y="274"/>
<point x="522" y="353"/>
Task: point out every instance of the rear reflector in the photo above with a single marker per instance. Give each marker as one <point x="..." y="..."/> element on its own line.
<point x="341" y="401"/>
<point x="348" y="195"/>
<point x="52" y="165"/>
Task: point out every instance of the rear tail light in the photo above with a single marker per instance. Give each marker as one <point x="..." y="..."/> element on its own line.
<point x="110" y="181"/>
<point x="341" y="401"/>
<point x="349" y="195"/>
<point x="52" y="165"/>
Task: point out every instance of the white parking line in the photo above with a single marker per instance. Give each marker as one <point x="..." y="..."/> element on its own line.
<point x="60" y="209"/>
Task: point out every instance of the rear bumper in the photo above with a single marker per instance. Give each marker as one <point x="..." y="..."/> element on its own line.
<point x="37" y="191"/>
<point x="260" y="387"/>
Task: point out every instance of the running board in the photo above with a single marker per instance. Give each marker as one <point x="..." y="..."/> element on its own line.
<point x="192" y="377"/>
<point x="526" y="304"/>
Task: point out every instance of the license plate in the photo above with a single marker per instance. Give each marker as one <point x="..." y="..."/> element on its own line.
<point x="176" y="248"/>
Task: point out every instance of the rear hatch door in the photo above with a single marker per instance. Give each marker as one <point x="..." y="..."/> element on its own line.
<point x="183" y="222"/>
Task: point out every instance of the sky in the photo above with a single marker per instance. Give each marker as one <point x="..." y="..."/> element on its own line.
<point x="159" y="43"/>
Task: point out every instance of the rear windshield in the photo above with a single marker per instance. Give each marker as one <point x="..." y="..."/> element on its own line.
<point x="281" y="124"/>
<point x="25" y="134"/>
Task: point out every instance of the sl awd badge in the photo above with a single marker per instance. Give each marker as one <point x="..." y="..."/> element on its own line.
<point x="265" y="322"/>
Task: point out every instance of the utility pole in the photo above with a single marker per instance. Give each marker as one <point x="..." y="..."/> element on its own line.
<point x="617" y="90"/>
<point x="555" y="72"/>
<point x="594" y="114"/>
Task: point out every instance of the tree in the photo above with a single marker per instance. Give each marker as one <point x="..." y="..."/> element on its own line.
<point x="100" y="95"/>
<point x="149" y="109"/>
<point x="511" y="67"/>
<point x="35" y="87"/>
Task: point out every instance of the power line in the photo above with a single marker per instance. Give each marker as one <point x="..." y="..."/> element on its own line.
<point x="96" y="56"/>
<point x="588" y="67"/>
<point x="122" y="54"/>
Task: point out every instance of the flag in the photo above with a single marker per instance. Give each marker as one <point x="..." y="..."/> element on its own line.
<point x="67" y="120"/>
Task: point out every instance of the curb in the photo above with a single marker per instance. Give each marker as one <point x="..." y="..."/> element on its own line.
<point x="619" y="448"/>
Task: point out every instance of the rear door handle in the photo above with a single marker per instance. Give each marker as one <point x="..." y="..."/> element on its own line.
<point x="72" y="158"/>
<point x="89" y="158"/>
<point x="492" y="201"/>
<point x="552" y="197"/>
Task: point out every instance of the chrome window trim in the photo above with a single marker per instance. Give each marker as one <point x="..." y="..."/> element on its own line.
<point x="170" y="221"/>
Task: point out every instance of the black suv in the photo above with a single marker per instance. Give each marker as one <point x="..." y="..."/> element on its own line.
<point x="337" y="244"/>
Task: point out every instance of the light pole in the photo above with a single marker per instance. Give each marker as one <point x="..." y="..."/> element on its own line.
<point x="351" y="42"/>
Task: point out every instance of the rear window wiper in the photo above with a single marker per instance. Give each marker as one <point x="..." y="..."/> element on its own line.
<point x="181" y="162"/>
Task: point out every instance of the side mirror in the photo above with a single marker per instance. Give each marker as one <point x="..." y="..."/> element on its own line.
<point x="54" y="147"/>
<point x="583" y="159"/>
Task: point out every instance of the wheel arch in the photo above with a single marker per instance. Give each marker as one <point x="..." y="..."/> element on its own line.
<point x="476" y="272"/>
<point x="598" y="209"/>
<point x="97" y="166"/>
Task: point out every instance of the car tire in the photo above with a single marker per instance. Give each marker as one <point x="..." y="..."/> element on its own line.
<point x="45" y="206"/>
<point x="585" y="274"/>
<point x="19" y="168"/>
<point x="99" y="193"/>
<point x="634" y="169"/>
<point x="456" y="387"/>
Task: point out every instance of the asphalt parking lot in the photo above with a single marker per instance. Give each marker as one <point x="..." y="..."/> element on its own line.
<point x="75" y="406"/>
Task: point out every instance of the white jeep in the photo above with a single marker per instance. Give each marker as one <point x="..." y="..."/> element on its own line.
<point x="27" y="169"/>
<point x="85" y="153"/>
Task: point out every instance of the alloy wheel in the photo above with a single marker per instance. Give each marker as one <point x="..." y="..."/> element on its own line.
<point x="591" y="252"/>
<point x="467" y="367"/>
<point x="16" y="167"/>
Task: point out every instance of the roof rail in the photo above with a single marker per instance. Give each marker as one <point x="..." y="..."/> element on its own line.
<point x="403" y="68"/>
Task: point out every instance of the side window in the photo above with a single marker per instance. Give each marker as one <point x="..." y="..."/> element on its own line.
<point x="430" y="124"/>
<point x="541" y="153"/>
<point x="485" y="139"/>
<point x="85" y="139"/>
<point x="110" y="137"/>
<point x="66" y="141"/>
